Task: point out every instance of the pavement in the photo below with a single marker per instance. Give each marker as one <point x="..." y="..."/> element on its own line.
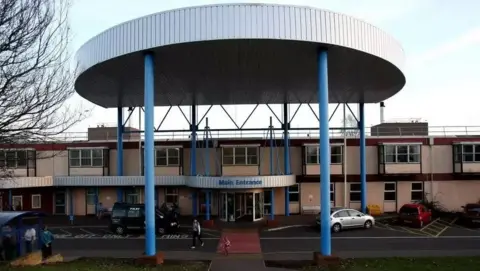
<point x="288" y="242"/>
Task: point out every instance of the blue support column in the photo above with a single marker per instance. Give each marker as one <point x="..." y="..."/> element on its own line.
<point x="272" y="192"/>
<point x="286" y="156"/>
<point x="70" y="204"/>
<point x="119" y="194"/>
<point x="193" y="155"/>
<point x="10" y="199"/>
<point x="150" y="239"/>
<point x="120" y="141"/>
<point x="363" y="159"/>
<point x="207" y="169"/>
<point x="326" y="242"/>
<point x="207" y="205"/>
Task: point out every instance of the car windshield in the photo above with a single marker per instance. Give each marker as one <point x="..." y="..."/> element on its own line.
<point x="407" y="210"/>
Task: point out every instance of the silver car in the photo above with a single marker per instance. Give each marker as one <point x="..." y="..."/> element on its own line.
<point x="343" y="218"/>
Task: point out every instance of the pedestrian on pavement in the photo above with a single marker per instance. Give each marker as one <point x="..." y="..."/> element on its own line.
<point x="30" y="237"/>
<point x="197" y="233"/>
<point x="46" y="237"/>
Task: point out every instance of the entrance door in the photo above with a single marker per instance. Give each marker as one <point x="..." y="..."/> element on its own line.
<point x="257" y="206"/>
<point x="222" y="213"/>
<point x="60" y="203"/>
<point x="239" y="205"/>
<point x="227" y="206"/>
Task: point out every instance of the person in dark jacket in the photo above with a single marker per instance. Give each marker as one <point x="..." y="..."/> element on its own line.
<point x="46" y="237"/>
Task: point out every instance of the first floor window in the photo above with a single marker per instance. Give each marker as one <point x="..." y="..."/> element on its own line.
<point x="171" y="196"/>
<point x="17" y="159"/>
<point x="313" y="154"/>
<point x="469" y="153"/>
<point x="355" y="192"/>
<point x="390" y="191"/>
<point x="36" y="201"/>
<point x="86" y="158"/>
<point x="167" y="157"/>
<point x="294" y="193"/>
<point x="417" y="191"/>
<point x="240" y="155"/>
<point x="393" y="154"/>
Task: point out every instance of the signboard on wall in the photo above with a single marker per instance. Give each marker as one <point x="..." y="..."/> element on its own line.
<point x="240" y="182"/>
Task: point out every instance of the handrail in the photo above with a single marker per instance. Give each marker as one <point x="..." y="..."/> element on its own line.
<point x="375" y="132"/>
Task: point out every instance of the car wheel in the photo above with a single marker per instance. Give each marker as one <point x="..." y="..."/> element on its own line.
<point x="161" y="231"/>
<point x="368" y="224"/>
<point x="119" y="230"/>
<point x="337" y="227"/>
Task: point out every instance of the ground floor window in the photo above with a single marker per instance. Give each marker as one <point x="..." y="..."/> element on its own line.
<point x="355" y="192"/>
<point x="91" y="195"/>
<point x="293" y="193"/>
<point x="132" y="196"/>
<point x="267" y="201"/>
<point x="390" y="191"/>
<point x="171" y="196"/>
<point x="17" y="202"/>
<point x="332" y="192"/>
<point x="36" y="201"/>
<point x="417" y="191"/>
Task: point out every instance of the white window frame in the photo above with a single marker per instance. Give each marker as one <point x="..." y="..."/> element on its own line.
<point x="21" y="201"/>
<point x="350" y="191"/>
<point x="290" y="192"/>
<point x="81" y="158"/>
<point x="395" y="154"/>
<point x="167" y="156"/>
<point x="246" y="155"/>
<point x="39" y="201"/>
<point x="475" y="151"/>
<point x="174" y="192"/>
<point x="6" y="161"/>
<point x="317" y="149"/>
<point x="390" y="191"/>
<point x="416" y="190"/>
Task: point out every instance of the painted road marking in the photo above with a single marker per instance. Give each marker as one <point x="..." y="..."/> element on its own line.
<point x="398" y="229"/>
<point x="65" y="232"/>
<point x="121" y="237"/>
<point x="373" y="237"/>
<point x="87" y="232"/>
<point x="287" y="227"/>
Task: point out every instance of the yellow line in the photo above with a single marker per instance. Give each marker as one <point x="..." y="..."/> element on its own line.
<point x="442" y="231"/>
<point x="453" y="221"/>
<point x="431" y="223"/>
<point x="417" y="233"/>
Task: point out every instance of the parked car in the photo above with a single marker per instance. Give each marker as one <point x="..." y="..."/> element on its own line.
<point x="415" y="215"/>
<point x="127" y="216"/>
<point x="470" y="216"/>
<point x="343" y="218"/>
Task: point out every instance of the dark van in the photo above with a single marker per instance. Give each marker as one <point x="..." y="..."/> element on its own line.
<point x="127" y="216"/>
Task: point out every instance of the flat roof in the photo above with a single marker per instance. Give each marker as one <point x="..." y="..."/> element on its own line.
<point x="240" y="54"/>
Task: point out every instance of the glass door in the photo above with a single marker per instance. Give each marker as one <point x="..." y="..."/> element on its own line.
<point x="60" y="203"/>
<point x="231" y="207"/>
<point x="222" y="212"/>
<point x="239" y="205"/>
<point x="257" y="206"/>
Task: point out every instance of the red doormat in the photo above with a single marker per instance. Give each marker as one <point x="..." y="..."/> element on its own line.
<point x="240" y="242"/>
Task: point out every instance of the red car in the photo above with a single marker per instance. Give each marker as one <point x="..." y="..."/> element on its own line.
<point x="415" y="215"/>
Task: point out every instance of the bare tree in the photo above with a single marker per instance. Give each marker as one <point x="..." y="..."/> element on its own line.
<point x="36" y="78"/>
<point x="350" y="121"/>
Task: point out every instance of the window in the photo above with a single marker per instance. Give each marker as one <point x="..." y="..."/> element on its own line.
<point x="267" y="201"/>
<point x="390" y="192"/>
<point x="132" y="196"/>
<point x="36" y="201"/>
<point x="240" y="155"/>
<point x="293" y="193"/>
<point x="469" y="153"/>
<point x="332" y="192"/>
<point x="343" y="213"/>
<point x="417" y="192"/>
<point x="17" y="159"/>
<point x="17" y="202"/>
<point x="167" y="157"/>
<point x="313" y="155"/>
<point x="91" y="195"/>
<point x="86" y="158"/>
<point x="171" y="196"/>
<point x="354" y="213"/>
<point x="401" y="153"/>
<point x="355" y="192"/>
<point x="134" y="212"/>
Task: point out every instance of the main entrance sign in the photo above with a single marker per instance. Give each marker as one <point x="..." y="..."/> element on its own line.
<point x="240" y="182"/>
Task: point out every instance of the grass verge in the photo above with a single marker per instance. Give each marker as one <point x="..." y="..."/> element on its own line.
<point x="111" y="265"/>
<point x="392" y="264"/>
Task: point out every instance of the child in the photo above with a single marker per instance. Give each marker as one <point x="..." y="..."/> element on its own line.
<point x="196" y="233"/>
<point x="225" y="245"/>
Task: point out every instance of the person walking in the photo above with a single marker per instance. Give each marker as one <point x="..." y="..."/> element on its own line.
<point x="197" y="233"/>
<point x="30" y="237"/>
<point x="46" y="237"/>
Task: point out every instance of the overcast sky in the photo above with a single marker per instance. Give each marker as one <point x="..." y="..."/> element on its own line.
<point x="441" y="39"/>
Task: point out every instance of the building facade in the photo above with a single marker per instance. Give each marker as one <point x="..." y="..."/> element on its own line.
<point x="64" y="178"/>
